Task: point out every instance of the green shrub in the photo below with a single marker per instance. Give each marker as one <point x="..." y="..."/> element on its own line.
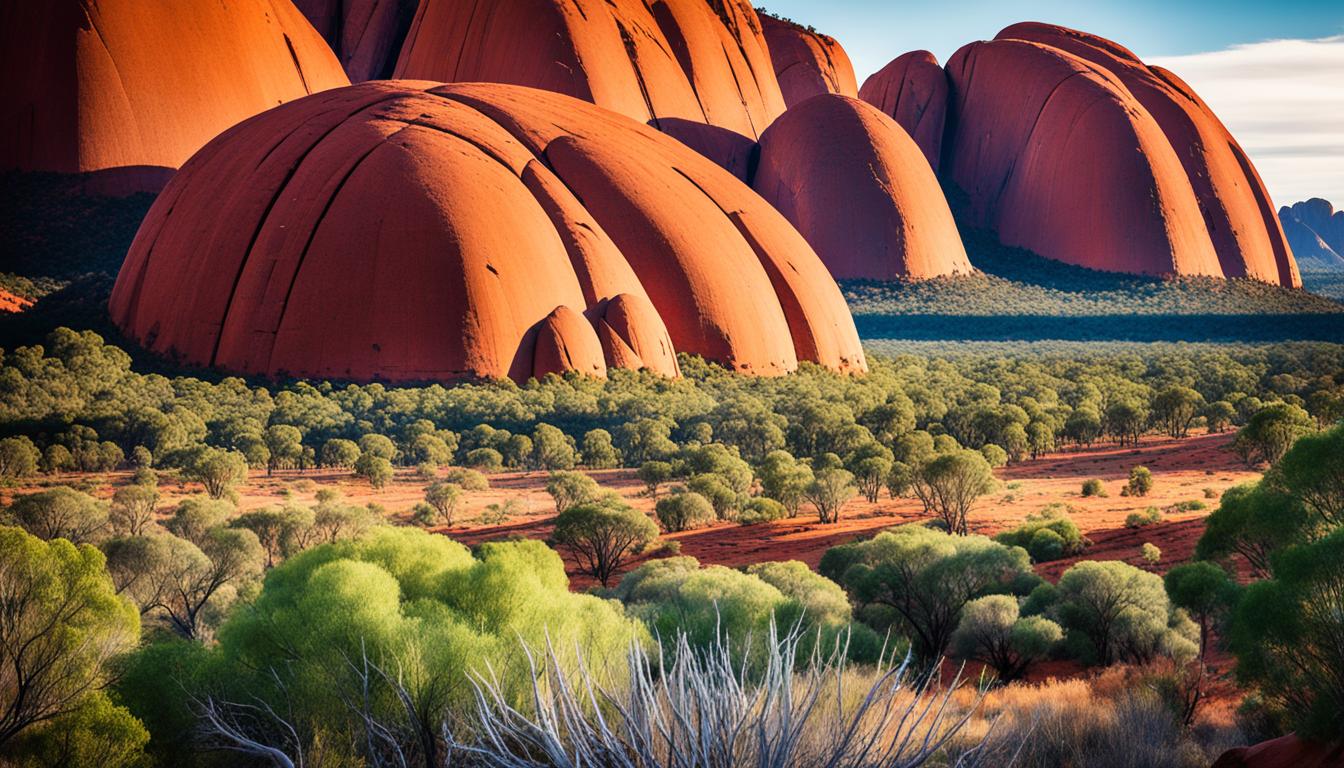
<point x="467" y="479"/>
<point x="684" y="511"/>
<point x="1047" y="535"/>
<point x="993" y="631"/>
<point x="1150" y="516"/>
<point x="760" y="510"/>
<point x="1150" y="553"/>
<point x="484" y="459"/>
<point x="1113" y="611"/>
<point x="1140" y="481"/>
<point x="1093" y="487"/>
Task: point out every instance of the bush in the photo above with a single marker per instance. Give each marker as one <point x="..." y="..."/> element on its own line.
<point x="426" y="470"/>
<point x="1140" y="481"/>
<point x="1048" y="535"/>
<point x="654" y="474"/>
<point x="570" y="488"/>
<point x="1113" y="611"/>
<point x="375" y="469"/>
<point x="684" y="511"/>
<point x="996" y="456"/>
<point x="484" y="459"/>
<point x="61" y="513"/>
<point x="18" y="457"/>
<point x="1093" y="487"/>
<point x="1150" y="516"/>
<point x="1150" y="553"/>
<point x="467" y="479"/>
<point x="925" y="578"/>
<point x="601" y="536"/>
<point x="992" y="631"/>
<point x="949" y="484"/>
<point x="443" y="499"/>
<point x="760" y="510"/>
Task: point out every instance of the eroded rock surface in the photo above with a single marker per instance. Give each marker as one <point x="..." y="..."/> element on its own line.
<point x="807" y="63"/>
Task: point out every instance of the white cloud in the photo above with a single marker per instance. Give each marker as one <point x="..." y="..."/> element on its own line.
<point x="1284" y="102"/>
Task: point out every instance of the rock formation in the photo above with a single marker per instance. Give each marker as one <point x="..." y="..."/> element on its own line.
<point x="1069" y="146"/>
<point x="407" y="232"/>
<point x="131" y="89"/>
<point x="1316" y="233"/>
<point x="657" y="61"/>
<point x="1284" y="752"/>
<point x="10" y="303"/>
<point x="858" y="188"/>
<point x="1234" y="202"/>
<point x="365" y="34"/>
<point x="913" y="90"/>
<point x="807" y="63"/>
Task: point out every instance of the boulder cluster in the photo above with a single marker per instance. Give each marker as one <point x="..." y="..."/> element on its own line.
<point x="578" y="185"/>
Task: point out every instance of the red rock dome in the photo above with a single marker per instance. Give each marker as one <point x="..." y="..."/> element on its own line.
<point x="1057" y="156"/>
<point x="132" y="88"/>
<point x="365" y="34"/>
<point x="913" y="90"/>
<point x="404" y="231"/>
<point x="662" y="62"/>
<point x="807" y="63"/>
<point x="1236" y="207"/>
<point x="861" y="192"/>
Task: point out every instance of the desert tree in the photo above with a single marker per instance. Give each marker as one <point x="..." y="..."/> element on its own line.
<point x="831" y="488"/>
<point x="684" y="511"/>
<point x="993" y="631"/>
<point x="571" y="488"/>
<point x="60" y="513"/>
<point x="340" y="453"/>
<point x="218" y="470"/>
<point x="285" y="444"/>
<point x="948" y="486"/>
<point x="602" y="536"/>
<point x="1175" y="408"/>
<point x="1271" y="432"/>
<point x="444" y="497"/>
<point x="19" y="458"/>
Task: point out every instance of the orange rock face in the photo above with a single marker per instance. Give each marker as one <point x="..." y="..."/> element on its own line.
<point x="365" y="34"/>
<point x="807" y="63"/>
<point x="406" y="232"/>
<point x="860" y="191"/>
<point x="11" y="303"/>
<point x="132" y="88"/>
<point x="651" y="60"/>
<point x="1057" y="156"/>
<point x="1234" y="202"/>
<point x="913" y="90"/>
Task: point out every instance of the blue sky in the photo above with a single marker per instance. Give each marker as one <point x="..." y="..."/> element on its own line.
<point x="1272" y="71"/>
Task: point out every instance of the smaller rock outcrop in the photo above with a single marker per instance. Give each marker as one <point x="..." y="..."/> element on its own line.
<point x="1316" y="232"/>
<point x="11" y="303"/>
<point x="859" y="190"/>
<point x="913" y="90"/>
<point x="807" y="63"/>
<point x="1284" y="752"/>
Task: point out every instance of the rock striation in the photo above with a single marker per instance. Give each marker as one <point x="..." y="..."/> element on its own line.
<point x="912" y="89"/>
<point x="1315" y="231"/>
<point x="408" y="231"/>
<point x="366" y="35"/>
<point x="1068" y="145"/>
<point x="807" y="63"/>
<point x="130" y="89"/>
<point x="662" y="62"/>
<point x="860" y="190"/>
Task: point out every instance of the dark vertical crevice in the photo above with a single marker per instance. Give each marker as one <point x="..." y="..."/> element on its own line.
<point x="295" y="58"/>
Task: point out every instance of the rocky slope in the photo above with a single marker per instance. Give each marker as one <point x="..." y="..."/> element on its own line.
<point x="1316" y="232"/>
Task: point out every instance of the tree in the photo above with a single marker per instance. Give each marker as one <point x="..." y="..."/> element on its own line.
<point x="785" y="479"/>
<point x="431" y="449"/>
<point x="339" y="452"/>
<point x="993" y="632"/>
<point x="18" y="457"/>
<point x="570" y="488"/>
<point x="926" y="577"/>
<point x="95" y="733"/>
<point x="63" y="625"/>
<point x="141" y="457"/>
<point x="378" y="445"/>
<point x="133" y="508"/>
<point x="1113" y="611"/>
<point x="1083" y="426"/>
<point x="1313" y="472"/>
<point x="1175" y="408"/>
<point x="828" y="492"/>
<point x="487" y="459"/>
<point x="1126" y="421"/>
<point x="552" y="448"/>
<point x="334" y="521"/>
<point x="949" y="484"/>
<point x="602" y="536"/>
<point x="201" y="581"/>
<point x="57" y="458"/>
<point x="218" y="470"/>
<point x="195" y="517"/>
<point x="1271" y="432"/>
<point x="444" y="497"/>
<point x="1285" y="633"/>
<point x="60" y="513"/>
<point x="1253" y="520"/>
<point x="598" y="450"/>
<point x="280" y="531"/>
<point x="654" y="474"/>
<point x="1218" y="415"/>
<point x="870" y="472"/>
<point x="1140" y="481"/>
<point x="285" y="443"/>
<point x="469" y="479"/>
<point x="375" y="469"/>
<point x="684" y="511"/>
<point x="1205" y="591"/>
<point x="715" y="490"/>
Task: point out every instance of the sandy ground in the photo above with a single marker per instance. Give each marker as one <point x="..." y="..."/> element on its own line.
<point x="1182" y="469"/>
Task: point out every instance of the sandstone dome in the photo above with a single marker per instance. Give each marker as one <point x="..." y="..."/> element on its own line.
<point x="1235" y="204"/>
<point x="366" y="35"/>
<point x="912" y="89"/>
<point x="132" y="88"/>
<point x="807" y="63"/>
<point x="1067" y="145"/>
<point x="662" y="62"/>
<point x="859" y="189"/>
<point x="408" y="231"/>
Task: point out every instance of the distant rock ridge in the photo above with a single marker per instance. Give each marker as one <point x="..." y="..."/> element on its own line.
<point x="128" y="89"/>
<point x="403" y="231"/>
<point x="1316" y="232"/>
